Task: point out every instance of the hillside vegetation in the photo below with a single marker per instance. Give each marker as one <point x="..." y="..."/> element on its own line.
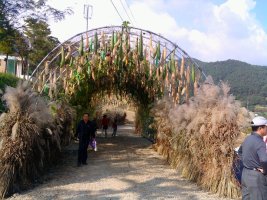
<point x="248" y="82"/>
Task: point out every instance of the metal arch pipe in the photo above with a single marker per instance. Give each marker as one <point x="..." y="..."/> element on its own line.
<point x="117" y="28"/>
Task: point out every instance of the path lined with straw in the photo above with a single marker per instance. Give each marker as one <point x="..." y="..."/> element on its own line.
<point x="125" y="167"/>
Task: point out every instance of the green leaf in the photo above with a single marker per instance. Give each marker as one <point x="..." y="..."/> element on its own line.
<point x="81" y="51"/>
<point x="103" y="55"/>
<point x="46" y="89"/>
<point x="90" y="44"/>
<point x="158" y="54"/>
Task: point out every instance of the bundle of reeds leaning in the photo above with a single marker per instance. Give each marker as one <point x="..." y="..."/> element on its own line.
<point x="198" y="138"/>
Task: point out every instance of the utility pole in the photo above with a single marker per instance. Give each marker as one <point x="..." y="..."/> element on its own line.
<point x="87" y="13"/>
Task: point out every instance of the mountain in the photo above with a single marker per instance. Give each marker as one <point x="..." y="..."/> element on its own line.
<point x="248" y="82"/>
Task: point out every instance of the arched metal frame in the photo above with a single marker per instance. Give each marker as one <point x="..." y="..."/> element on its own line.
<point x="108" y="30"/>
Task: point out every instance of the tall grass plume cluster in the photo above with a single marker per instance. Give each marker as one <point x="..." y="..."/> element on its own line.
<point x="32" y="133"/>
<point x="199" y="137"/>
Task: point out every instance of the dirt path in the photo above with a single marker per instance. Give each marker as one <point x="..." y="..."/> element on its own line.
<point x="125" y="167"/>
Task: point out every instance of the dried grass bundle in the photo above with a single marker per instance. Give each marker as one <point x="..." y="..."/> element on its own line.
<point x="29" y="139"/>
<point x="203" y="135"/>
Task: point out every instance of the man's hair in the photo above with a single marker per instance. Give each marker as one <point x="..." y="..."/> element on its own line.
<point x="255" y="128"/>
<point x="86" y="113"/>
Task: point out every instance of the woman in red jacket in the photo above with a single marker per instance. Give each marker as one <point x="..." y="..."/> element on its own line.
<point x="104" y="123"/>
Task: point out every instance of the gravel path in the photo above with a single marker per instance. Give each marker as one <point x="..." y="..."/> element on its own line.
<point x="125" y="167"/>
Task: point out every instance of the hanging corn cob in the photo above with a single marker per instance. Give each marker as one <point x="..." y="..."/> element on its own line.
<point x="39" y="83"/>
<point x="135" y="55"/>
<point x="146" y="54"/>
<point x="112" y="41"/>
<point x="128" y="42"/>
<point x="187" y="84"/>
<point x="193" y="73"/>
<point x="120" y="56"/>
<point x="197" y="77"/>
<point x="93" y="73"/>
<point x="102" y="55"/>
<point x="55" y="83"/>
<point x="182" y="68"/>
<point x="47" y="67"/>
<point x="65" y="80"/>
<point x="140" y="47"/>
<point x="95" y="43"/>
<point x="102" y="40"/>
<point x="152" y="50"/>
<point x="172" y="62"/>
<point x="62" y="62"/>
<point x="90" y="45"/>
<point x="44" y="78"/>
<point x="164" y="54"/>
<point x="50" y="85"/>
<point x="114" y="52"/>
<point x="178" y="95"/>
<point x="158" y="54"/>
<point x="71" y="63"/>
<point x="81" y="51"/>
<point x="67" y="57"/>
<point x="166" y="66"/>
<point x="61" y="75"/>
<point x="87" y="41"/>
<point x="88" y="69"/>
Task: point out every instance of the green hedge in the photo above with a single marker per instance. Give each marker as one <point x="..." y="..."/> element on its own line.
<point x="6" y="80"/>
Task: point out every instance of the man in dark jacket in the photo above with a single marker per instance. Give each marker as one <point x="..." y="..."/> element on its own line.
<point x="254" y="157"/>
<point x="83" y="132"/>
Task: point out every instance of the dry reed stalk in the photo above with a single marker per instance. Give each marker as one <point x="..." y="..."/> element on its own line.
<point x="182" y="68"/>
<point x="29" y="125"/>
<point x="46" y="67"/>
<point x="203" y="135"/>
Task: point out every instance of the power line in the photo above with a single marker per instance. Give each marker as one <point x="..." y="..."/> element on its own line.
<point x="131" y="12"/>
<point x="117" y="10"/>
<point x="126" y="12"/>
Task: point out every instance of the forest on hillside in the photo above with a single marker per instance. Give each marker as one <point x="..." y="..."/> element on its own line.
<point x="248" y="82"/>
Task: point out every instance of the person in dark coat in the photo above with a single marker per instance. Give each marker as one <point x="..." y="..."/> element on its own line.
<point x="115" y="127"/>
<point x="254" y="157"/>
<point x="104" y="123"/>
<point x="84" y="130"/>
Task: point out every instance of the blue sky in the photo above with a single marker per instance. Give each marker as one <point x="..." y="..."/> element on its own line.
<point x="209" y="30"/>
<point x="260" y="12"/>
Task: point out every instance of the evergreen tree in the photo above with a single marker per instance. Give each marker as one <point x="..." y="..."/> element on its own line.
<point x="40" y="40"/>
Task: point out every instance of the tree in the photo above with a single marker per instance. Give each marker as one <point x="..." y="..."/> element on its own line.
<point x="22" y="49"/>
<point x="6" y="41"/>
<point x="15" y="12"/>
<point x="41" y="43"/>
<point x="14" y="15"/>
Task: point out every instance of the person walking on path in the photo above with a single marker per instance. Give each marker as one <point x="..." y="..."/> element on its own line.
<point x="83" y="132"/>
<point x="114" y="126"/>
<point x="104" y="123"/>
<point x="254" y="157"/>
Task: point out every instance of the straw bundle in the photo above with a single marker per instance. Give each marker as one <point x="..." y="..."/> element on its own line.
<point x="203" y="136"/>
<point x="29" y="139"/>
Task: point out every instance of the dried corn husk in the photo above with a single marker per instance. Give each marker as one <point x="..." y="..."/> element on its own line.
<point x="182" y="68"/>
